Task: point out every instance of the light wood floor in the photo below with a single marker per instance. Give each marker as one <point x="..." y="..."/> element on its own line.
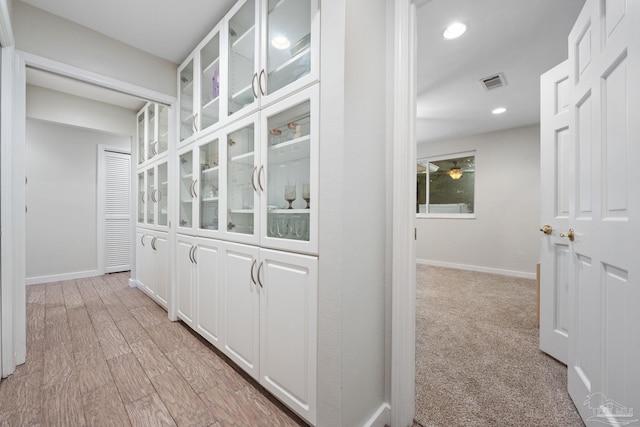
<point x="101" y="353"/>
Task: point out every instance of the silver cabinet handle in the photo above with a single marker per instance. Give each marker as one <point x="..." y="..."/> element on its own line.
<point x="195" y="250"/>
<point x="260" y="177"/>
<point x="259" y="269"/>
<point x="142" y="198"/>
<point x="153" y="244"/>
<point x="142" y="240"/>
<point x="159" y="196"/>
<point x="253" y="264"/>
<point x="260" y="78"/>
<point x="193" y="124"/>
<point x="152" y="196"/>
<point x="195" y="186"/>
<point x="253" y="85"/>
<point x="193" y="194"/>
<point x="155" y="148"/>
<point x="253" y="182"/>
<point x="191" y="254"/>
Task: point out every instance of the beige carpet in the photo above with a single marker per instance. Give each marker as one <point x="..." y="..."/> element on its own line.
<point x="477" y="356"/>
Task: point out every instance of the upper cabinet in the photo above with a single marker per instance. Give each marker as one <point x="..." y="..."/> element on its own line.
<point x="261" y="52"/>
<point x="153" y="132"/>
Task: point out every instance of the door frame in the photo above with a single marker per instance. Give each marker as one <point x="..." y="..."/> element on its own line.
<point x="403" y="252"/>
<point x="102" y="149"/>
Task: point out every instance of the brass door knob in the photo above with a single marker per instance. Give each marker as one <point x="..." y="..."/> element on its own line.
<point x="546" y="229"/>
<point x="570" y="234"/>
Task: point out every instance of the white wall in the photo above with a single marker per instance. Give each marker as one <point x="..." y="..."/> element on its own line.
<point x="52" y="106"/>
<point x="61" y="235"/>
<point x="353" y="215"/>
<point x="44" y="34"/>
<point x="503" y="238"/>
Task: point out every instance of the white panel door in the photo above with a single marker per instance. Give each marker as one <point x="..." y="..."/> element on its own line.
<point x="185" y="265"/>
<point x="604" y="288"/>
<point x="241" y="305"/>
<point x="288" y="328"/>
<point x="207" y="257"/>
<point x="141" y="242"/>
<point x="556" y="152"/>
<point x="117" y="211"/>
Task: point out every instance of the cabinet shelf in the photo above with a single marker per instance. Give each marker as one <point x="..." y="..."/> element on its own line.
<point x="290" y="61"/>
<point x="211" y="65"/>
<point x="243" y="96"/>
<point x="164" y="183"/>
<point x="211" y="199"/>
<point x="211" y="103"/>
<point x="289" y="211"/>
<point x="187" y="176"/>
<point x="213" y="169"/>
<point x="241" y="211"/>
<point x="245" y="158"/>
<point x="187" y="87"/>
<point x="245" y="43"/>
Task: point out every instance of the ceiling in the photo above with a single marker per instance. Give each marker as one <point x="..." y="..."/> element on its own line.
<point x="519" y="38"/>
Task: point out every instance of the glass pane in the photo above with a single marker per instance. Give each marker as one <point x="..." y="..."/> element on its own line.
<point x="141" y="194"/>
<point x="186" y="189"/>
<point x="241" y="57"/>
<point x="161" y="194"/>
<point x="289" y="42"/>
<point x="163" y="128"/>
<point x="240" y="193"/>
<point x="151" y="196"/>
<point x="451" y="186"/>
<point x="141" y="137"/>
<point x="186" y="102"/>
<point x="288" y="166"/>
<point x="210" y="83"/>
<point x="151" y="131"/>
<point x="209" y="185"/>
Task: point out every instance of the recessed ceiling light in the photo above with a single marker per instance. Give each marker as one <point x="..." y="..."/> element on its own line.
<point x="454" y="30"/>
<point x="280" y="42"/>
<point x="499" y="110"/>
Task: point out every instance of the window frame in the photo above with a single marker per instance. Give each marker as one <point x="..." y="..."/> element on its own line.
<point x="425" y="161"/>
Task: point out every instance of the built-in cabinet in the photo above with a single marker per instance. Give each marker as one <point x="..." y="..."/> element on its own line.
<point x="153" y="132"/>
<point x="152" y="266"/>
<point x="262" y="51"/>
<point x="243" y="176"/>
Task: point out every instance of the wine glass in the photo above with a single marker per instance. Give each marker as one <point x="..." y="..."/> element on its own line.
<point x="306" y="194"/>
<point x="290" y="194"/>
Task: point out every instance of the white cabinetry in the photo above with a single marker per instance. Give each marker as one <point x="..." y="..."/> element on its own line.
<point x="198" y="299"/>
<point x="153" y="132"/>
<point x="152" y="252"/>
<point x="153" y="189"/>
<point x="269" y="321"/>
<point x="262" y="51"/>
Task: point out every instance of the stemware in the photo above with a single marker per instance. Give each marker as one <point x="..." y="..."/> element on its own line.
<point x="290" y="194"/>
<point x="306" y="194"/>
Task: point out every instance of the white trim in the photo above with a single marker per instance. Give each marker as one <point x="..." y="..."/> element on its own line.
<point x="6" y="31"/>
<point x="381" y="418"/>
<point x="61" y="277"/>
<point x="478" y="268"/>
<point x="133" y="283"/>
<point x="56" y="67"/>
<point x="100" y="196"/>
<point x="404" y="218"/>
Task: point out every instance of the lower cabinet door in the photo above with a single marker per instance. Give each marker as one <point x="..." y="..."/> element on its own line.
<point x="185" y="266"/>
<point x="288" y="329"/>
<point x="161" y="269"/>
<point x="207" y="299"/>
<point x="141" y="242"/>
<point x="241" y="305"/>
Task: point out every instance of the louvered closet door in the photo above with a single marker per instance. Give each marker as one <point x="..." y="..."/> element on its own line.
<point x="117" y="210"/>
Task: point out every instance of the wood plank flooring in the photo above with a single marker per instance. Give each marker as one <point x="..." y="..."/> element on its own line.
<point x="100" y="353"/>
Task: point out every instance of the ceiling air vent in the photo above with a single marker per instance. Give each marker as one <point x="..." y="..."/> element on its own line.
<point x="494" y="81"/>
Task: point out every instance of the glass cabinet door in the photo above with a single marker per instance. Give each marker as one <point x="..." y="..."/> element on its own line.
<point x="241" y="170"/>
<point x="163" y="129"/>
<point x="141" y="200"/>
<point x="187" y="115"/>
<point x="161" y="194"/>
<point x="209" y="183"/>
<point x="151" y="131"/>
<point x="288" y="190"/>
<point x="141" y="138"/>
<point x="210" y="83"/>
<point x="288" y="42"/>
<point x="242" y="85"/>
<point x="151" y="196"/>
<point x="187" y="192"/>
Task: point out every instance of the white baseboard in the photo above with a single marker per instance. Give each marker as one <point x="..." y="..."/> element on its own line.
<point x="381" y="418"/>
<point x="133" y="283"/>
<point x="61" y="277"/>
<point x="480" y="269"/>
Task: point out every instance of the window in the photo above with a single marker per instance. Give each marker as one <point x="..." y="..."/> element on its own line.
<point x="446" y="186"/>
